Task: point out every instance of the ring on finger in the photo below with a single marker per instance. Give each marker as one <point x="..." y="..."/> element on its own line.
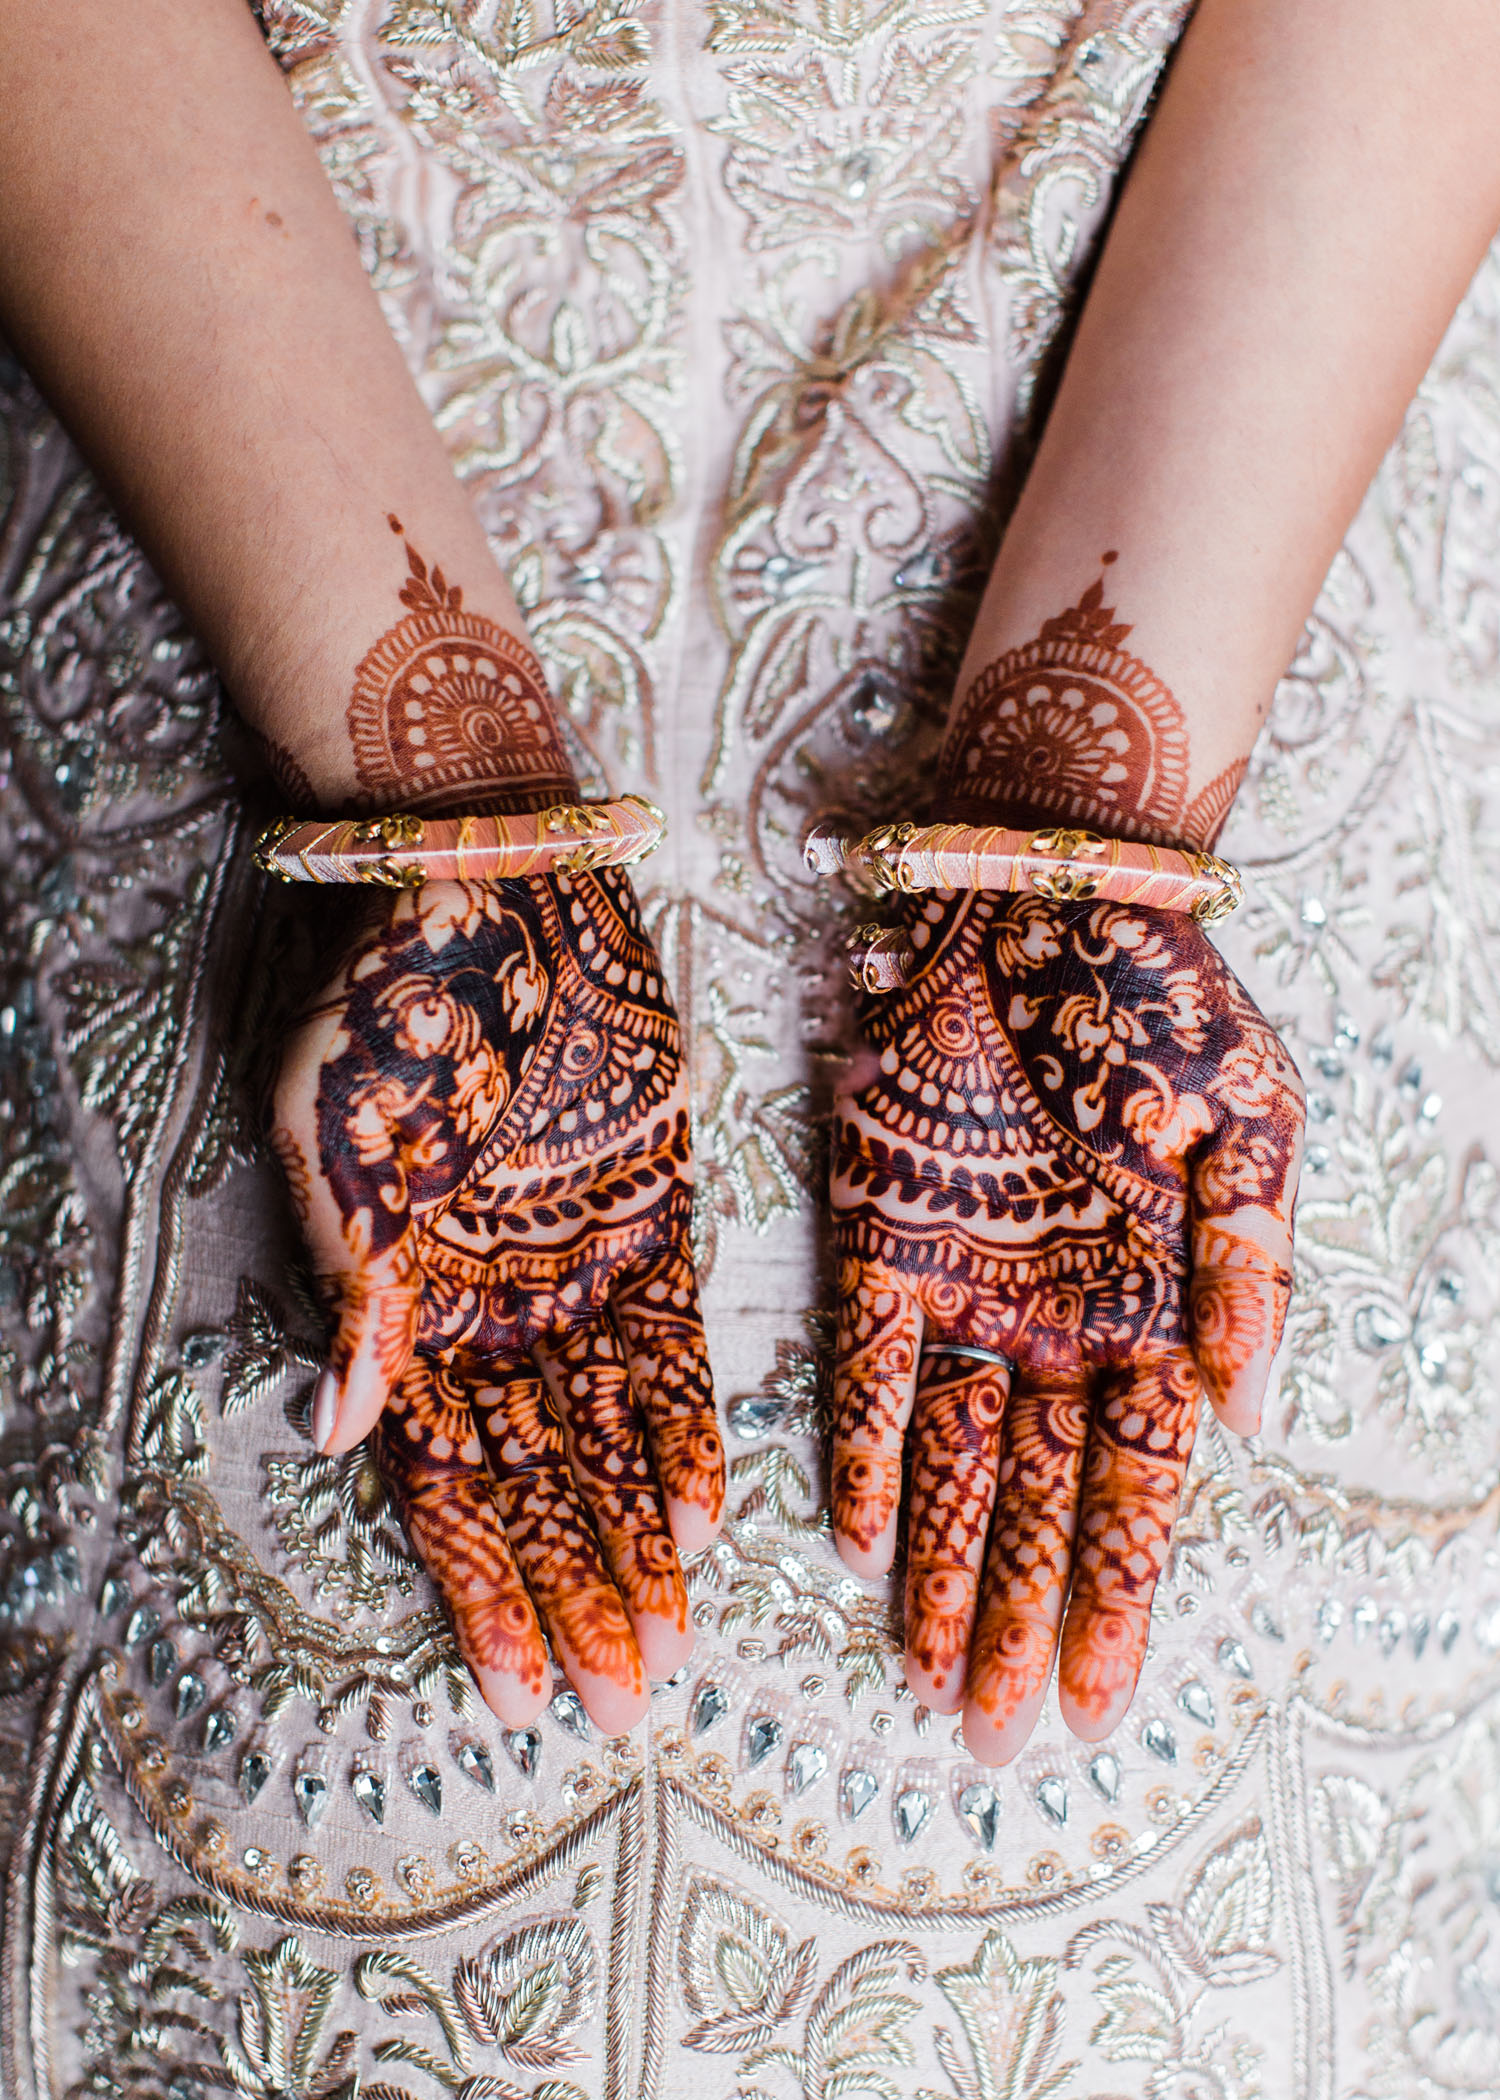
<point x="971" y="1352"/>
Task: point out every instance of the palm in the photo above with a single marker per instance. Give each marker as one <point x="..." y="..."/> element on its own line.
<point x="1079" y="1153"/>
<point x="485" y="1129"/>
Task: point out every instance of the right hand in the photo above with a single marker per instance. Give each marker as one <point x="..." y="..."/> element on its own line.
<point x="484" y="1126"/>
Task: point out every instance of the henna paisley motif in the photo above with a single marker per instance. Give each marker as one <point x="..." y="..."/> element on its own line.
<point x="1079" y="1149"/>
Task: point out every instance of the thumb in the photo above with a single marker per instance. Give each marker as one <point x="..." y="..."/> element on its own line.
<point x="374" y="1306"/>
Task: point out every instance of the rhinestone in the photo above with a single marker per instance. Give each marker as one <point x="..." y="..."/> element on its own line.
<point x="1392" y="1626"/>
<point x="1052" y="1799"/>
<point x="427" y="1785"/>
<point x="1313" y="913"/>
<point x="1376" y="1327"/>
<point x="200" y="1350"/>
<point x="1160" y="1741"/>
<point x="1362" y="1617"/>
<point x="113" y="1597"/>
<point x="710" y="1704"/>
<point x="161" y="1661"/>
<point x="677" y="1677"/>
<point x="806" y="1766"/>
<point x="1197" y="1700"/>
<point x="220" y="1729"/>
<point x="1264" y="1624"/>
<point x="70" y="1568"/>
<point x="857" y="1789"/>
<point x="857" y="171"/>
<point x="979" y="1805"/>
<point x="752" y="1419"/>
<point x="1419" y="1629"/>
<point x="474" y="1759"/>
<point x="525" y="1747"/>
<point x="1345" y="1031"/>
<point x="763" y="1736"/>
<point x="310" y="1792"/>
<point x="913" y="1809"/>
<point x="192" y="1693"/>
<point x="1330" y="1616"/>
<point x="1450" y="1285"/>
<point x="368" y="1789"/>
<point x="922" y="573"/>
<point x="1104" y="1775"/>
<point x="255" y="1770"/>
<point x="1432" y="1357"/>
<point x="141" y="1624"/>
<point x="1233" y="1655"/>
<point x="874" y="708"/>
<point x="782" y="574"/>
<point x="566" y="1709"/>
<point x="1448" y="1629"/>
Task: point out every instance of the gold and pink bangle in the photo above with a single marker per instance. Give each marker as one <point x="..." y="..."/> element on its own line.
<point x="1064" y="865"/>
<point x="403" y="852"/>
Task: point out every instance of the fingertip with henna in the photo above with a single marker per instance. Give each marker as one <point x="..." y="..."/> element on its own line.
<point x="992" y="1740"/>
<point x="614" y="1708"/>
<point x="514" y="1703"/>
<point x="355" y="1407"/>
<point x="692" y="1525"/>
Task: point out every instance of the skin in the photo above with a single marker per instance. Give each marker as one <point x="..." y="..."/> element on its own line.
<point x="176" y="274"/>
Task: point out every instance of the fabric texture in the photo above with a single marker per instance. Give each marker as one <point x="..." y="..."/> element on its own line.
<point x="737" y="319"/>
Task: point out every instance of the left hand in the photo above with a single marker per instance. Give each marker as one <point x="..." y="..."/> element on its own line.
<point x="1076" y="1147"/>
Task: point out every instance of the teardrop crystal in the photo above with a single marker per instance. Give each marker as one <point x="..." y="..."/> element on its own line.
<point x="1052" y="1799"/>
<point x="220" y="1729"/>
<point x="474" y="1759"/>
<point x="525" y="1747"/>
<point x="567" y="1710"/>
<point x="1160" y="1741"/>
<point x="1233" y="1655"/>
<point x="913" y="1809"/>
<point x="255" y="1770"/>
<point x="761" y="1738"/>
<point x="979" y="1805"/>
<point x="192" y="1693"/>
<point x="161" y="1661"/>
<point x="710" y="1704"/>
<point x="141" y="1624"/>
<point x="427" y="1785"/>
<point x="1196" y="1699"/>
<point x="1104" y="1775"/>
<point x="857" y="1789"/>
<point x="806" y="1766"/>
<point x="368" y="1789"/>
<point x="310" y="1792"/>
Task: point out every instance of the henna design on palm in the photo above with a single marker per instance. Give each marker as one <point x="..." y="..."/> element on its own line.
<point x="486" y="1128"/>
<point x="1078" y="1147"/>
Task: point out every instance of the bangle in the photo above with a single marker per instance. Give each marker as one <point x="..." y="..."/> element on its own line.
<point x="403" y="852"/>
<point x="1066" y="866"/>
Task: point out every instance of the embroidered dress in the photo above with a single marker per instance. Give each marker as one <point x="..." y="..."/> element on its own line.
<point x="737" y="320"/>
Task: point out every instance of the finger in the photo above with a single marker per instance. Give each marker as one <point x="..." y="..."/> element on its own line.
<point x="1042" y="1442"/>
<point x="875" y="1375"/>
<point x="430" y="1459"/>
<point x="1140" y="1440"/>
<point x="660" y="1322"/>
<point x="589" y="1381"/>
<point x="348" y="1187"/>
<point x="955" y="1437"/>
<point x="556" y="1548"/>
<point x="1242" y="1191"/>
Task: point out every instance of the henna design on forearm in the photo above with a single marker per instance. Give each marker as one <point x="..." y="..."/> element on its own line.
<point x="1070" y="727"/>
<point x="449" y="709"/>
<point x="1080" y="1150"/>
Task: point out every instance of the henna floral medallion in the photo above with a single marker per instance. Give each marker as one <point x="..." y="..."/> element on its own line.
<point x="485" y="1131"/>
<point x="1071" y="726"/>
<point x="447" y="704"/>
<point x="1078" y="1151"/>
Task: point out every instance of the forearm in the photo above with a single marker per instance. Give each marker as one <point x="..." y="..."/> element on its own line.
<point x="1313" y="193"/>
<point x="178" y="276"/>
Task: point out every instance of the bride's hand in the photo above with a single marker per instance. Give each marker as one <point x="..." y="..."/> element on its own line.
<point x="483" y="1123"/>
<point x="1075" y="1146"/>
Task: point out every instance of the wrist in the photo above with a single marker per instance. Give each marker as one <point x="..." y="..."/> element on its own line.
<point x="1072" y="728"/>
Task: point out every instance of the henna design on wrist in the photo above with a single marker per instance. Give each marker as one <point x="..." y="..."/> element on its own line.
<point x="1071" y="727"/>
<point x="1080" y="1149"/>
<point x="288" y="772"/>
<point x="449" y="709"/>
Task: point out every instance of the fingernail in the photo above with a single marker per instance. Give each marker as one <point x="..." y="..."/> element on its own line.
<point x="325" y="1408"/>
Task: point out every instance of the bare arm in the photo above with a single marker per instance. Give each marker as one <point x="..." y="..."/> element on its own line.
<point x="179" y="278"/>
